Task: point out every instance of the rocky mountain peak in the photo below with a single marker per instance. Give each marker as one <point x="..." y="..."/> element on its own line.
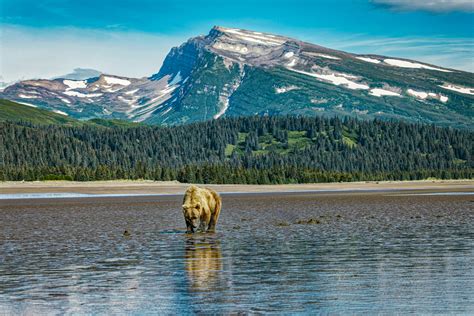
<point x="237" y="72"/>
<point x="249" y="47"/>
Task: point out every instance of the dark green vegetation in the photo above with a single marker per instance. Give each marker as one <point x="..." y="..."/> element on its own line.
<point x="256" y="149"/>
<point x="112" y="123"/>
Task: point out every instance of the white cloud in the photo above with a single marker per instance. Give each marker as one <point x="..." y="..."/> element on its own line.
<point x="44" y="53"/>
<point x="428" y="5"/>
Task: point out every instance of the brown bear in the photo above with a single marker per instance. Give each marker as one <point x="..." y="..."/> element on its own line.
<point x="201" y="206"/>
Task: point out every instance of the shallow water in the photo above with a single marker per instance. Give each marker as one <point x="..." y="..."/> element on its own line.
<point x="364" y="252"/>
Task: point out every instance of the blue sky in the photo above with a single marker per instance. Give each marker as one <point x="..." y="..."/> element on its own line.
<point x="45" y="38"/>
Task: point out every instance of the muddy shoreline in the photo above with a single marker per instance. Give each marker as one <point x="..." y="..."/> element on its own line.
<point x="170" y="188"/>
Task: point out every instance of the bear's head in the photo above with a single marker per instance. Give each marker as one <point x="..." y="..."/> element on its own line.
<point x="192" y="214"/>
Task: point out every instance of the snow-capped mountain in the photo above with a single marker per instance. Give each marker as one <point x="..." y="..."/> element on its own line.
<point x="103" y="96"/>
<point x="234" y="72"/>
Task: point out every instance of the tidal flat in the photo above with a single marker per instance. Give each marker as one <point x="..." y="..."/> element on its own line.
<point x="388" y="252"/>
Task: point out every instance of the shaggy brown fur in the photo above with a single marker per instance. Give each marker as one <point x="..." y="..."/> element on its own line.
<point x="201" y="206"/>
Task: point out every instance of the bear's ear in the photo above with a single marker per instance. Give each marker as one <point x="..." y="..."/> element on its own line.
<point x="198" y="206"/>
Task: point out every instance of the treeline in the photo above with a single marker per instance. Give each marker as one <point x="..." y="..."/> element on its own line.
<point x="238" y="150"/>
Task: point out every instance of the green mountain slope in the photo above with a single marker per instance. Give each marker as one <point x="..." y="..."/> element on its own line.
<point x="16" y="112"/>
<point x="256" y="95"/>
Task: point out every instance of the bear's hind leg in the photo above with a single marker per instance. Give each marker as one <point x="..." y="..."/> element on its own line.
<point x="212" y="226"/>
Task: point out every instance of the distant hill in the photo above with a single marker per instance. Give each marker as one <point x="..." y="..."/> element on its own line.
<point x="17" y="112"/>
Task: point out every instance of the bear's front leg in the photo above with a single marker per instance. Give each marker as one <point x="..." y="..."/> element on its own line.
<point x="202" y="226"/>
<point x="205" y="219"/>
<point x="189" y="227"/>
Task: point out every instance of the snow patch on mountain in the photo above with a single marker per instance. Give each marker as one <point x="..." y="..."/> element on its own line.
<point x="169" y="89"/>
<point x="118" y="81"/>
<point x="460" y="89"/>
<point x="166" y="111"/>
<point x="258" y="41"/>
<point x="261" y="38"/>
<point x="131" y="92"/>
<point x="443" y="98"/>
<point x="82" y="95"/>
<point x="75" y="84"/>
<point x="378" y="92"/>
<point x="60" y="112"/>
<point x="162" y="97"/>
<point x="128" y="101"/>
<point x="64" y="100"/>
<point x="176" y="79"/>
<point x="285" y="89"/>
<point x="321" y="55"/>
<point x="110" y="90"/>
<point x="28" y="104"/>
<point x="409" y="64"/>
<point x="292" y="63"/>
<point x="335" y="79"/>
<point x="348" y="76"/>
<point x="24" y="96"/>
<point x="369" y="60"/>
<point x="425" y="95"/>
<point x="418" y="94"/>
<point x="236" y="48"/>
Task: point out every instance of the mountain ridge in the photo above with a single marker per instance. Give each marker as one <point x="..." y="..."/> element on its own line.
<point x="12" y="112"/>
<point x="236" y="72"/>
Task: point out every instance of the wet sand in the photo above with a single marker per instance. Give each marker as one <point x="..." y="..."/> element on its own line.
<point x="151" y="187"/>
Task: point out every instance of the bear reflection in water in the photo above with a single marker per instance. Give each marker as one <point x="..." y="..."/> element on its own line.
<point x="203" y="262"/>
